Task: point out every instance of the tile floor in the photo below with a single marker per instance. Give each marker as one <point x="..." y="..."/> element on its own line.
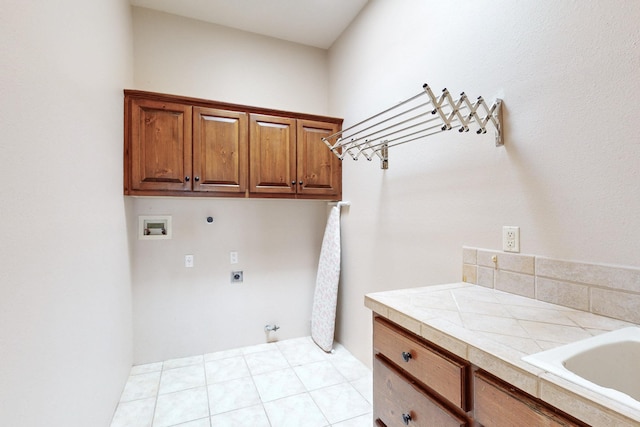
<point x="288" y="383"/>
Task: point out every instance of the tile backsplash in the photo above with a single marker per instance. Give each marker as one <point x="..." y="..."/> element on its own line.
<point x="607" y="290"/>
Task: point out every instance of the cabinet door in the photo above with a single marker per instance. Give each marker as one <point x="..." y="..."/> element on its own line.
<point x="272" y="158"/>
<point x="498" y="404"/>
<point x="319" y="170"/>
<point x="160" y="146"/>
<point x="220" y="150"/>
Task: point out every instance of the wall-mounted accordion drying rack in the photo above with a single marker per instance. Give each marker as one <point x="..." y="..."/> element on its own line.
<point x="413" y="119"/>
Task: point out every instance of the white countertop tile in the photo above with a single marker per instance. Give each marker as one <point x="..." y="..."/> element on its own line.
<point x="494" y="330"/>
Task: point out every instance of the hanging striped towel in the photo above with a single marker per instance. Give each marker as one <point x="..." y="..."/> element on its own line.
<point x="323" y="313"/>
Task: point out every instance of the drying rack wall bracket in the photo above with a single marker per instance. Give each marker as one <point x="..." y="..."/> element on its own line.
<point x="416" y="118"/>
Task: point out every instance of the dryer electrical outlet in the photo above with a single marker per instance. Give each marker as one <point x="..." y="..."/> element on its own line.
<point x="511" y="239"/>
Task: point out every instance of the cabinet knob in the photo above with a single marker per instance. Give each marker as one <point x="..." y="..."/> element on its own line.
<point x="186" y="178"/>
<point x="406" y="356"/>
<point x="196" y="179"/>
<point x="300" y="182"/>
<point x="406" y="418"/>
<point x="293" y="182"/>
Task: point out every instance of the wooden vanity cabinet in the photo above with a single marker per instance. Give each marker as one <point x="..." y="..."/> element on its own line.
<point x="178" y="146"/>
<point x="416" y="383"/>
<point x="498" y="404"/>
<point x="400" y="401"/>
<point x="415" y="378"/>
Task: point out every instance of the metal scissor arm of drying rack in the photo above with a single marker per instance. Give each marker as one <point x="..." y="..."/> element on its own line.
<point x="412" y="119"/>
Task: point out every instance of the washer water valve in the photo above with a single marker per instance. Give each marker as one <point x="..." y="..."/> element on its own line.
<point x="269" y="328"/>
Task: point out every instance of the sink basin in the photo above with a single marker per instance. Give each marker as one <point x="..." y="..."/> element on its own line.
<point x="608" y="364"/>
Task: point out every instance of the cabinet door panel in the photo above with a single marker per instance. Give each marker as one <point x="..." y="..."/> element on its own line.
<point x="160" y="146"/>
<point x="319" y="170"/>
<point x="272" y="158"/>
<point x="500" y="405"/>
<point x="220" y="150"/>
<point x="396" y="397"/>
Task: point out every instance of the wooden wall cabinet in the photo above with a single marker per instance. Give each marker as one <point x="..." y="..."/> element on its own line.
<point x="160" y="146"/>
<point x="416" y="383"/>
<point x="288" y="157"/>
<point x="178" y="146"/>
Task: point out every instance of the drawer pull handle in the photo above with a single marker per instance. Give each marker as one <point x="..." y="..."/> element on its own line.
<point x="406" y="418"/>
<point x="406" y="356"/>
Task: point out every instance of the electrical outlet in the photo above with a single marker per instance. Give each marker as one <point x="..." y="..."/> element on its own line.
<point x="511" y="239"/>
<point x="233" y="257"/>
<point x="188" y="261"/>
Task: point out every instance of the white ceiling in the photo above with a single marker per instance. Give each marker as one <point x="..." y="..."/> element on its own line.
<point x="311" y="22"/>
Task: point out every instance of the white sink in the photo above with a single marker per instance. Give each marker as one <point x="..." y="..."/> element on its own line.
<point x="608" y="364"/>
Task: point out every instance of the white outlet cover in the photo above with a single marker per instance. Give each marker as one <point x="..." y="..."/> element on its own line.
<point x="511" y="238"/>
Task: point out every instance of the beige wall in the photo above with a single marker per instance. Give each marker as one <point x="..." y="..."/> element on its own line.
<point x="182" y="311"/>
<point x="187" y="57"/>
<point x="65" y="303"/>
<point x="568" y="174"/>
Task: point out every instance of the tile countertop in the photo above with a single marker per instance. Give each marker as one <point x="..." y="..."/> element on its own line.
<point x="494" y="330"/>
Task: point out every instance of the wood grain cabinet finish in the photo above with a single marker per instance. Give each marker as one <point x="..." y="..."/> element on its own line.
<point x="220" y="152"/>
<point x="179" y="146"/>
<point x="497" y="404"/>
<point x="414" y="377"/>
<point x="160" y="146"/>
<point x="398" y="402"/>
<point x="273" y="155"/>
<point x="443" y="374"/>
<point x="289" y="157"/>
<point x="319" y="170"/>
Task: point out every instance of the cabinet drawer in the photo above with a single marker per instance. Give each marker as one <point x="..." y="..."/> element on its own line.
<point x="399" y="402"/>
<point x="497" y="404"/>
<point x="445" y="375"/>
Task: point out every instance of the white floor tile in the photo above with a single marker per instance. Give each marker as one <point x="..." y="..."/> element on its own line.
<point x="340" y="402"/>
<point x="266" y="361"/>
<point x="295" y="411"/>
<point x="182" y="378"/>
<point x="232" y="395"/>
<point x="202" y="422"/>
<point x="259" y="347"/>
<point x="137" y="413"/>
<point x="181" y="407"/>
<point x="365" y="387"/>
<point x="361" y="421"/>
<point x="253" y="416"/>
<point x="288" y="383"/>
<point x="141" y="386"/>
<point x="347" y="364"/>
<point x="145" y="369"/>
<point x="301" y="351"/>
<point x="278" y="384"/>
<point x="225" y="354"/>
<point x="183" y="361"/>
<point x="226" y="369"/>
<point x="318" y="375"/>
